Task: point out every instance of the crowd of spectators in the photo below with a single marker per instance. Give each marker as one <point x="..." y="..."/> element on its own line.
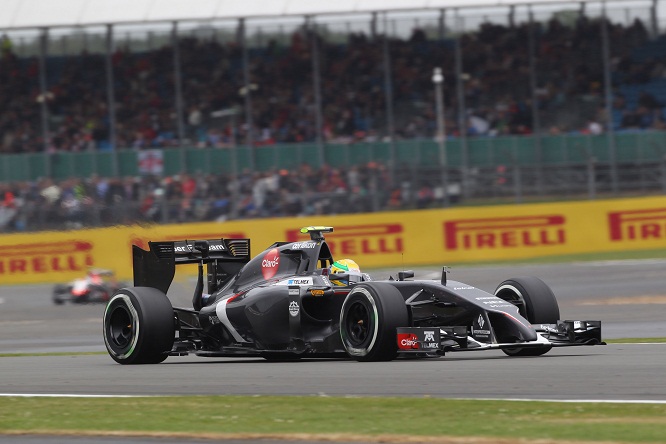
<point x="96" y="201"/>
<point x="496" y="70"/>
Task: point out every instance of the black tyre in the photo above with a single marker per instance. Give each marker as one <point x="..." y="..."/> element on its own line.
<point x="536" y="303"/>
<point x="139" y="326"/>
<point x="60" y="294"/>
<point x="368" y="321"/>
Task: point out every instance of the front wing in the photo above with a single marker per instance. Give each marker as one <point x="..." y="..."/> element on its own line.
<point x="440" y="340"/>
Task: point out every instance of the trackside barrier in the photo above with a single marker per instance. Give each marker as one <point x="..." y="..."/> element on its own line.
<point x="425" y="237"/>
<point x="634" y="148"/>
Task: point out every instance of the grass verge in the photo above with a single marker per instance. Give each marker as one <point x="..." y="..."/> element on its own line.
<point x="332" y="418"/>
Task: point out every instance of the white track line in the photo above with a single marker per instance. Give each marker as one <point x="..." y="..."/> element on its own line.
<point x="604" y="401"/>
<point x="67" y="395"/>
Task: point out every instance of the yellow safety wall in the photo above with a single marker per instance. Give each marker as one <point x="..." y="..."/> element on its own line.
<point x="437" y="237"/>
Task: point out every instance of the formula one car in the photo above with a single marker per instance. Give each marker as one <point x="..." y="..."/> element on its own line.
<point x="97" y="286"/>
<point x="283" y="305"/>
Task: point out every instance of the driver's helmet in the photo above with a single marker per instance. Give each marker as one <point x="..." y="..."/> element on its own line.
<point x="347" y="267"/>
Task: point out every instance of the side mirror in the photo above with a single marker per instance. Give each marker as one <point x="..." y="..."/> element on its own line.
<point x="402" y="275"/>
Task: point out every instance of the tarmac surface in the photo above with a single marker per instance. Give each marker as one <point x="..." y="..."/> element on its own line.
<point x="629" y="297"/>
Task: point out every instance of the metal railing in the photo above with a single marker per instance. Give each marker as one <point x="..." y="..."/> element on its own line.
<point x="525" y="151"/>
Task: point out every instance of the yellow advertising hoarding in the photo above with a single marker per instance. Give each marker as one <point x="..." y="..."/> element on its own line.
<point x="440" y="237"/>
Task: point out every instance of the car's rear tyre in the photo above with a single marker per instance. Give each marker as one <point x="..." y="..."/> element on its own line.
<point x="536" y="303"/>
<point x="368" y="321"/>
<point x="139" y="326"/>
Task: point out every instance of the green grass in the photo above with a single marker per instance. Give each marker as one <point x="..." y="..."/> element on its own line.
<point x="634" y="340"/>
<point x="347" y="416"/>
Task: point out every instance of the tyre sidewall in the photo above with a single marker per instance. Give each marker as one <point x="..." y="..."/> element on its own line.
<point x="360" y="295"/>
<point x="123" y="354"/>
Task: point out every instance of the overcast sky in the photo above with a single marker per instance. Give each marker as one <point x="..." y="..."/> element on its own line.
<point x="45" y="13"/>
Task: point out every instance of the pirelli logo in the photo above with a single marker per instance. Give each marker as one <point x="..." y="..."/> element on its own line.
<point x="47" y="257"/>
<point x="349" y="240"/>
<point x="505" y="232"/>
<point x="637" y="225"/>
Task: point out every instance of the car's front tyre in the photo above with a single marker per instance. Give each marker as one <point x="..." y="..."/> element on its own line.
<point x="536" y="303"/>
<point x="139" y="326"/>
<point x="370" y="315"/>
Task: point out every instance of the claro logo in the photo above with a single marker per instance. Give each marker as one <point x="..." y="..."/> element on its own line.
<point x="408" y="341"/>
<point x="48" y="257"/>
<point x="270" y="263"/>
<point x="504" y="232"/>
<point x="637" y="225"/>
<point x="350" y="240"/>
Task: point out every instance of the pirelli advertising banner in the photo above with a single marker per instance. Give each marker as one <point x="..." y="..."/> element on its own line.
<point x="437" y="237"/>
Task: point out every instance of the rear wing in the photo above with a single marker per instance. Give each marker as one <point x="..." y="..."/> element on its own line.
<point x="157" y="266"/>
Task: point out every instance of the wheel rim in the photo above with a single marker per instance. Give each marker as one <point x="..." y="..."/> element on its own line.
<point x="120" y="327"/>
<point x="512" y="295"/>
<point x="358" y="323"/>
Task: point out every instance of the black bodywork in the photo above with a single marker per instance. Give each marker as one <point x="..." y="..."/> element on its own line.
<point x="281" y="304"/>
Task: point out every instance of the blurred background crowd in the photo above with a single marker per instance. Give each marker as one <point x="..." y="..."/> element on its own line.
<point x="496" y="70"/>
<point x="97" y="201"/>
<point x="505" y="73"/>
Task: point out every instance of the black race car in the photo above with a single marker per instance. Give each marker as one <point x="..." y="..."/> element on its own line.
<point x="282" y="305"/>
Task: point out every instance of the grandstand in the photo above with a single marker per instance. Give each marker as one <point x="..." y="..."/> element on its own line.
<point x="255" y="109"/>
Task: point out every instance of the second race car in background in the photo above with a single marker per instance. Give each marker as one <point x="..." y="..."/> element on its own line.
<point x="97" y="286"/>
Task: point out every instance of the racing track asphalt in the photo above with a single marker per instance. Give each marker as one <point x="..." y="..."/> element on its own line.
<point x="609" y="291"/>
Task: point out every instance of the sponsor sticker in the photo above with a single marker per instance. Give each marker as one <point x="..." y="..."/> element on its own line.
<point x="303" y="245"/>
<point x="300" y="281"/>
<point x="478" y="329"/>
<point x="418" y="338"/>
<point x="297" y="281"/>
<point x="294" y="309"/>
<point x="270" y="263"/>
<point x="408" y="341"/>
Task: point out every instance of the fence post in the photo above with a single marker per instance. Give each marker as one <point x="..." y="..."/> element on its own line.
<point x="663" y="173"/>
<point x="517" y="182"/>
<point x="608" y="96"/>
<point x="591" y="182"/>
